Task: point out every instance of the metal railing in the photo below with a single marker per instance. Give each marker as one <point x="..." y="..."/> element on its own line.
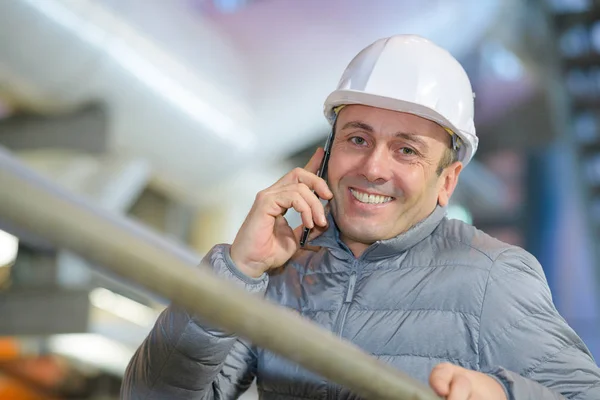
<point x="144" y="258"/>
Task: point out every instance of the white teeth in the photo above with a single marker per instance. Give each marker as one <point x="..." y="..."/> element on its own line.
<point x="369" y="198"/>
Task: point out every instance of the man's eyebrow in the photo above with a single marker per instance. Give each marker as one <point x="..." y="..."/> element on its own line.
<point x="358" y="125"/>
<point x="412" y="137"/>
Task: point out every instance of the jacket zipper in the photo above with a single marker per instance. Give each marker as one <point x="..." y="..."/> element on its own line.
<point x="338" y="327"/>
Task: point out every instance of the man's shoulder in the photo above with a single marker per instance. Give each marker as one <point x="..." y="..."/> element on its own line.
<point x="458" y="237"/>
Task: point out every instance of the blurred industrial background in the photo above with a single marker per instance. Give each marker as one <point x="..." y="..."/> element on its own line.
<point x="176" y="112"/>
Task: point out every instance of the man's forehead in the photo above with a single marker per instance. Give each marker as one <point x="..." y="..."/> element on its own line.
<point x="375" y="115"/>
<point x="380" y="121"/>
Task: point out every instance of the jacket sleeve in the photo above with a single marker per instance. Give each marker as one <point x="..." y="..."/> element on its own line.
<point x="183" y="358"/>
<point x="524" y="342"/>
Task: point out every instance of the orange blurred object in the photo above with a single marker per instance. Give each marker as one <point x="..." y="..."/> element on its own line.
<point x="12" y="389"/>
<point x="24" y="377"/>
<point x="9" y="349"/>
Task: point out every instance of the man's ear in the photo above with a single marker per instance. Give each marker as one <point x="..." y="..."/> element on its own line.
<point x="448" y="180"/>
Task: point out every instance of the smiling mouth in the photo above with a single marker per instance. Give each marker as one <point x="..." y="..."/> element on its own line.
<point x="370" y="198"/>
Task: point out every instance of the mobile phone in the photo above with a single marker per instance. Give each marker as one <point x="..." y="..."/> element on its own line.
<point x="321" y="173"/>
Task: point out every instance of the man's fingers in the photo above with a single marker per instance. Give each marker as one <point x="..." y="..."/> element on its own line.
<point x="312" y="216"/>
<point x="460" y="388"/>
<point x="295" y="200"/>
<point x="314" y="233"/>
<point x="317" y="184"/>
<point x="318" y="211"/>
<point x="307" y="175"/>
<point x="300" y="198"/>
<point x="299" y="175"/>
<point x="440" y="379"/>
<point x="450" y="382"/>
<point x="315" y="161"/>
<point x="313" y="182"/>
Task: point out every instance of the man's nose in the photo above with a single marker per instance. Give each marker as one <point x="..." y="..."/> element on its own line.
<point x="377" y="165"/>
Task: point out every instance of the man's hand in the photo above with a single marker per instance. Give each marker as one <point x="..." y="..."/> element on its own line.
<point x="456" y="383"/>
<point x="265" y="240"/>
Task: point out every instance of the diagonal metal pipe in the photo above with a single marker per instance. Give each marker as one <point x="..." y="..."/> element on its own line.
<point x="144" y="258"/>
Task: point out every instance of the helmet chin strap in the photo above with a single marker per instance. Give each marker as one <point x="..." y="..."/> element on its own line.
<point x="337" y="110"/>
<point x="456" y="143"/>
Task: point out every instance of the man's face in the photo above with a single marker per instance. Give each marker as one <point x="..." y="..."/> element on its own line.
<point x="382" y="172"/>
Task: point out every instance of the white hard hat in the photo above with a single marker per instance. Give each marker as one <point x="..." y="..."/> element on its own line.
<point x="411" y="74"/>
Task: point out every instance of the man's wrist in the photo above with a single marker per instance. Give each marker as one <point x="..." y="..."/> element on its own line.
<point x="249" y="272"/>
<point x="241" y="268"/>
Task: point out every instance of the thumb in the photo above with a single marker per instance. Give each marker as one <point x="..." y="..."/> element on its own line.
<point x="440" y="378"/>
<point x="315" y="161"/>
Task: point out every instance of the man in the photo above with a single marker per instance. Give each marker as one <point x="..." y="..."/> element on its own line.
<point x="384" y="268"/>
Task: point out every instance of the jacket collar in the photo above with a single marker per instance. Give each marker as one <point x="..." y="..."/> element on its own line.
<point x="382" y="248"/>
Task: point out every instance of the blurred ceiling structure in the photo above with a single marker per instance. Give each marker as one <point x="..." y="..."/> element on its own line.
<point x="193" y="88"/>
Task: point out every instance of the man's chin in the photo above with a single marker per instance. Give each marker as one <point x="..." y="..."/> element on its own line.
<point x="358" y="227"/>
<point x="362" y="234"/>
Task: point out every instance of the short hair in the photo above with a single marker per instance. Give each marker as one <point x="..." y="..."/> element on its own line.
<point x="449" y="157"/>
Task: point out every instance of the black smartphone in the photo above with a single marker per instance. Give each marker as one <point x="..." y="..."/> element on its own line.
<point x="321" y="173"/>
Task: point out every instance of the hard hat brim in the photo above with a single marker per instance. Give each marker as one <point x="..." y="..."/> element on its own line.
<point x="347" y="97"/>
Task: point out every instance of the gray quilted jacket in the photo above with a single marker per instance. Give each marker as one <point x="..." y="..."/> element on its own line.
<point x="443" y="291"/>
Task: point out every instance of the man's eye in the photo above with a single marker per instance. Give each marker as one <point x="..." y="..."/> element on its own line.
<point x="358" y="140"/>
<point x="407" y="151"/>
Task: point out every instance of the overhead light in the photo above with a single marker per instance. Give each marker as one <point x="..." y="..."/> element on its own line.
<point x="503" y="62"/>
<point x="123" y="307"/>
<point x="91" y="349"/>
<point x="9" y="247"/>
<point x="149" y="71"/>
<point x="229" y="6"/>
